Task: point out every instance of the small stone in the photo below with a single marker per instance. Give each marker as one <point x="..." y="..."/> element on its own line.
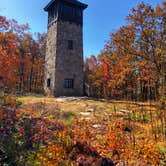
<point x="85" y="113"/>
<point x="124" y="111"/>
<point x="90" y="110"/>
<point x="96" y="126"/>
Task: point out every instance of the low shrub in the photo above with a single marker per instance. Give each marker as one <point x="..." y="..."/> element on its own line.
<point x="162" y="103"/>
<point x="19" y="101"/>
<point x="138" y="117"/>
<point x="162" y="151"/>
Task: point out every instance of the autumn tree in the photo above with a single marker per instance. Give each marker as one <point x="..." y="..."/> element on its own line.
<point x="93" y="73"/>
<point x="131" y="64"/>
<point x="21" y="58"/>
<point x="32" y="54"/>
<point x="8" y="56"/>
<point x="147" y="42"/>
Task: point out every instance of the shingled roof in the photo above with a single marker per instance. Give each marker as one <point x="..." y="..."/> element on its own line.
<point x="74" y="2"/>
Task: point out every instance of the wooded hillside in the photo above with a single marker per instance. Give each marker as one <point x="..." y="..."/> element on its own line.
<point x="21" y="58"/>
<point x="131" y="66"/>
<point x="133" y="63"/>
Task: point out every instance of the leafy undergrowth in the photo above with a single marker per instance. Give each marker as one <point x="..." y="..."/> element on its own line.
<point x="84" y="132"/>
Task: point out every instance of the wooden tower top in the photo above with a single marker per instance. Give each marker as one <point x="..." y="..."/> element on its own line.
<point x="71" y="2"/>
<point x="65" y="10"/>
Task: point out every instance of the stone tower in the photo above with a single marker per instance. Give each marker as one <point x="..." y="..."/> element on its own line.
<point x="64" y="50"/>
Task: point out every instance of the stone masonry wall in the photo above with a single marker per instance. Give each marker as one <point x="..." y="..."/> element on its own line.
<point x="63" y="63"/>
<point x="50" y="59"/>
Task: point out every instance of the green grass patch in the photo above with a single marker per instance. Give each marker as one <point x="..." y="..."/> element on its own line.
<point x="138" y="117"/>
<point x="19" y="101"/>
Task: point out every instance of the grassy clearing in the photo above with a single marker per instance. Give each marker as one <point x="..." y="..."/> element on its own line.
<point x="125" y="132"/>
<point x="100" y="112"/>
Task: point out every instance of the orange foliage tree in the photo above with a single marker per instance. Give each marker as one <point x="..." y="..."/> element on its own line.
<point x="21" y="58"/>
<point x="8" y="55"/>
<point x="130" y="65"/>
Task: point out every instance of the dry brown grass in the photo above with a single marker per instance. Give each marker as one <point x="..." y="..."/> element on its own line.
<point x="100" y="115"/>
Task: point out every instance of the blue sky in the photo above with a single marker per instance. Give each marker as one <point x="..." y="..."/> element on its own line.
<point x="101" y="18"/>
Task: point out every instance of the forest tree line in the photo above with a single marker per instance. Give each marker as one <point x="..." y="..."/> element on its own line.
<point x="133" y="63"/>
<point x="21" y="58"/>
<point x="131" y="66"/>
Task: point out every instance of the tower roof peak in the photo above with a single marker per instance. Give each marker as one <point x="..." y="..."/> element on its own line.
<point x="73" y="2"/>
